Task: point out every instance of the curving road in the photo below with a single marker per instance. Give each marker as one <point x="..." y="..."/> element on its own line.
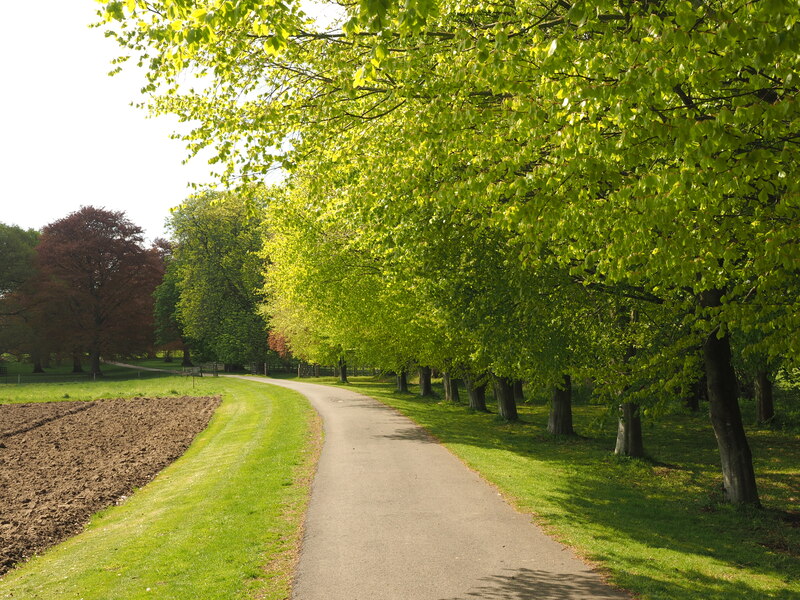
<point x="394" y="516"/>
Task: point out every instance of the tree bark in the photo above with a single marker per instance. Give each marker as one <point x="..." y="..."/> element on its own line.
<point x="726" y="418"/>
<point x="402" y="381"/>
<point x="696" y="394"/>
<point x="342" y="371"/>
<point x="37" y="363"/>
<point x="519" y="395"/>
<point x="476" y="392"/>
<point x="450" y="387"/>
<point x="425" y="388"/>
<point x="76" y="363"/>
<point x="187" y="358"/>
<point x="94" y="363"/>
<point x="629" y="431"/>
<point x="504" y="394"/>
<point x="765" y="404"/>
<point x="560" y="420"/>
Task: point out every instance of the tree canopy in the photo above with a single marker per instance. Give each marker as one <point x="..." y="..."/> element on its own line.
<point x="495" y="162"/>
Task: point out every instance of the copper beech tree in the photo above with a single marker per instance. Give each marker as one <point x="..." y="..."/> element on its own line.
<point x="97" y="280"/>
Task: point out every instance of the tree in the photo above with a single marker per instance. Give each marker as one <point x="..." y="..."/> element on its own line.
<point x="638" y="146"/>
<point x="17" y="253"/>
<point x="168" y="329"/>
<point x="17" y="268"/>
<point x="217" y="272"/>
<point x="96" y="281"/>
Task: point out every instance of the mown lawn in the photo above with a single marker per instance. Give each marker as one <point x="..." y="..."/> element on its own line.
<point x="222" y="522"/>
<point x="656" y="527"/>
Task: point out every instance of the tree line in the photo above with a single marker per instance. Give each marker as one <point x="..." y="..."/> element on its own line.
<point x="541" y="191"/>
<point x="87" y="287"/>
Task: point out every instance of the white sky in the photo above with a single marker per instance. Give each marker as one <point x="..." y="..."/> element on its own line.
<point x="68" y="135"/>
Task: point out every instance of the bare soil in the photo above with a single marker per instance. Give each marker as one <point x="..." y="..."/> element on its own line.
<point x="60" y="462"/>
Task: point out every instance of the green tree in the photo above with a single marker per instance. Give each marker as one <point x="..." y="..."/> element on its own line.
<point x="647" y="147"/>
<point x="217" y="272"/>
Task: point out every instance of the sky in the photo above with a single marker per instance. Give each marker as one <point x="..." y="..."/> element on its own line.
<point x="68" y="134"/>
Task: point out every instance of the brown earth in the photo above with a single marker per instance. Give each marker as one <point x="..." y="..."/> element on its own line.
<point x="60" y="462"/>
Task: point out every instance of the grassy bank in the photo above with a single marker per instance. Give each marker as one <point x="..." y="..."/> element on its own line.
<point x="222" y="522"/>
<point x="656" y="527"/>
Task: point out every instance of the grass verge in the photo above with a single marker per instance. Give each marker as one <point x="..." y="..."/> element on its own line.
<point x="658" y="527"/>
<point x="222" y="522"/>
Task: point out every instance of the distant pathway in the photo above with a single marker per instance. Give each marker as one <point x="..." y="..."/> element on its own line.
<point x="395" y="516"/>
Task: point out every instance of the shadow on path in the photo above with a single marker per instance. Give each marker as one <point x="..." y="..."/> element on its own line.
<point x="524" y="584"/>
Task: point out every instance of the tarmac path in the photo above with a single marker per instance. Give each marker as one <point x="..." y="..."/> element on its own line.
<point x="393" y="515"/>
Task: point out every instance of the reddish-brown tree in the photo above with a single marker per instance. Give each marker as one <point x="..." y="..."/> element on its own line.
<point x="97" y="279"/>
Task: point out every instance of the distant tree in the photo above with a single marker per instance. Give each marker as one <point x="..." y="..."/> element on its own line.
<point x="97" y="281"/>
<point x="218" y="276"/>
<point x="169" y="332"/>
<point x="17" y="254"/>
<point x="16" y="257"/>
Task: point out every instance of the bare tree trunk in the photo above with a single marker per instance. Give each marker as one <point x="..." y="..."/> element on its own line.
<point x="629" y="431"/>
<point x="425" y="388"/>
<point x="342" y="370"/>
<point x="519" y="395"/>
<point x="765" y="404"/>
<point x="402" y="381"/>
<point x="187" y="357"/>
<point x="726" y="418"/>
<point x="94" y="363"/>
<point x="476" y="392"/>
<point x="450" y="387"/>
<point x="504" y="395"/>
<point x="696" y="394"/>
<point x="560" y="420"/>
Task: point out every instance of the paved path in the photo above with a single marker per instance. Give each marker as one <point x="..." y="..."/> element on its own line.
<point x="395" y="516"/>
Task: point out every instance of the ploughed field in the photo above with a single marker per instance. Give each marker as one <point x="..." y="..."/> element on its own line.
<point x="60" y="462"/>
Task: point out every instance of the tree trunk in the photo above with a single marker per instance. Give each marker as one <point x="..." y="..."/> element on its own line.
<point x="696" y="394"/>
<point x="629" y="431"/>
<point x="476" y="392"/>
<point x="187" y="358"/>
<point x="342" y="371"/>
<point x="76" y="363"/>
<point x="726" y="417"/>
<point x="37" y="363"/>
<point x="765" y="405"/>
<point x="94" y="363"/>
<point x="450" y="387"/>
<point x="402" y="381"/>
<point x="425" y="388"/>
<point x="560" y="420"/>
<point x="167" y="356"/>
<point x="504" y="394"/>
<point x="519" y="395"/>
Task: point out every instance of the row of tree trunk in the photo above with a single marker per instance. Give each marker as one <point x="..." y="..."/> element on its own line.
<point x="720" y="389"/>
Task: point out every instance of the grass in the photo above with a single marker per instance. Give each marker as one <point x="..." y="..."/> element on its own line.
<point x="656" y="527"/>
<point x="22" y="373"/>
<point x="222" y="522"/>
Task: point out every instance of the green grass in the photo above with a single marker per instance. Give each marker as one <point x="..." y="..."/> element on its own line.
<point x="655" y="527"/>
<point x="107" y="387"/>
<point x="222" y="522"/>
<point x="22" y="373"/>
